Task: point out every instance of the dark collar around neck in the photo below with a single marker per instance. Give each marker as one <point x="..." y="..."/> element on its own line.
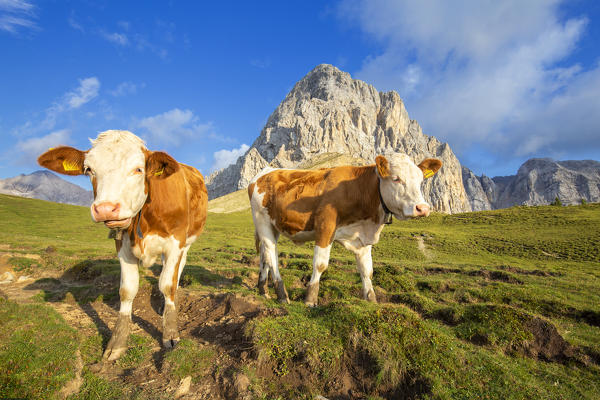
<point x="387" y="218"/>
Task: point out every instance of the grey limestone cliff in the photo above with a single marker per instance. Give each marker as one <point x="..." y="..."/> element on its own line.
<point x="539" y="181"/>
<point x="329" y="112"/>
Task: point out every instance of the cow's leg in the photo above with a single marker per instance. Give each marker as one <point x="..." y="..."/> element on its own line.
<point x="320" y="263"/>
<point x="127" y="290"/>
<point x="268" y="249"/>
<point x="263" y="269"/>
<point x="364" y="264"/>
<point x="173" y="264"/>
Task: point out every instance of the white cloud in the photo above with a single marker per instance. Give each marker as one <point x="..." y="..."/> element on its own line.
<point x="74" y="23"/>
<point x="483" y="73"/>
<point x="223" y="158"/>
<point x="15" y="14"/>
<point x="126" y="88"/>
<point x="117" y="38"/>
<point x="33" y="147"/>
<point x="87" y="91"/>
<point x="173" y="126"/>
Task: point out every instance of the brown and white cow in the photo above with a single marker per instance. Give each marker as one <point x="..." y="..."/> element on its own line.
<point x="347" y="204"/>
<point x="157" y="206"/>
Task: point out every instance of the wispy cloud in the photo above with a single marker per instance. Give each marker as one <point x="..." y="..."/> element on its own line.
<point x="486" y="73"/>
<point x="86" y="91"/>
<point x="126" y="88"/>
<point x="174" y="126"/>
<point x="74" y="22"/>
<point x="16" y="14"/>
<point x="128" y="36"/>
<point x="261" y="63"/>
<point x="223" y="158"/>
<point x="31" y="148"/>
<point x="116" y="38"/>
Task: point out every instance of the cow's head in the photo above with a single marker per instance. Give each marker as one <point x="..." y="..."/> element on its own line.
<point x="120" y="169"/>
<point x="400" y="184"/>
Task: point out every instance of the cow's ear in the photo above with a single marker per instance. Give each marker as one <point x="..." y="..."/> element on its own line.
<point x="160" y="165"/>
<point x="430" y="166"/>
<point x="64" y="160"/>
<point x="383" y="166"/>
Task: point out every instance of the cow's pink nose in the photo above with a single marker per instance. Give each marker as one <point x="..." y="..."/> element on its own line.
<point x="421" y="210"/>
<point x="106" y="211"/>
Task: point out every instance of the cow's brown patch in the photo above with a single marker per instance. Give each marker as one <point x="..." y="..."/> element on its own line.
<point x="320" y="201"/>
<point x="169" y="200"/>
<point x="175" y="278"/>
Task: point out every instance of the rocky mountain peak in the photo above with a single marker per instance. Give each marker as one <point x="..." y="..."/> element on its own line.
<point x="46" y="185"/>
<point x="329" y="112"/>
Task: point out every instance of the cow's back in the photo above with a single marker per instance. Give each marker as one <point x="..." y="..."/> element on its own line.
<point x="295" y="199"/>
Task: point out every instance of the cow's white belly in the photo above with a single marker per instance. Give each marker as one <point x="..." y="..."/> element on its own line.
<point x="359" y="234"/>
<point x="153" y="246"/>
<point x="301" y="237"/>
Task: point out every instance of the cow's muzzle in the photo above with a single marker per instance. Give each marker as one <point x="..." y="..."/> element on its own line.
<point x="108" y="213"/>
<point x="421" y="210"/>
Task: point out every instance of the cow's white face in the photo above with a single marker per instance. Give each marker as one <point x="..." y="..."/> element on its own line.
<point x="400" y="184"/>
<point x="116" y="166"/>
<point x="120" y="169"/>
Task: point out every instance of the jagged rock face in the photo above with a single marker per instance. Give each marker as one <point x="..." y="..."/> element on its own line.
<point x="541" y="180"/>
<point x="329" y="112"/>
<point x="477" y="195"/>
<point x="45" y="185"/>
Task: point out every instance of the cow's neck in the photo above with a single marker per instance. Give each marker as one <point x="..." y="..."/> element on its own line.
<point x="368" y="183"/>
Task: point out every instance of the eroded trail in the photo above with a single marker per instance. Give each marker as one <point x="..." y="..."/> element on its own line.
<point x="214" y="322"/>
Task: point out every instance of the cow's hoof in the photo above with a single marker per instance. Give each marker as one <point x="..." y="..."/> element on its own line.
<point x="262" y="289"/>
<point x="312" y="295"/>
<point x="370" y="296"/>
<point x="117" y="345"/>
<point x="282" y="295"/>
<point x="170" y="343"/>
<point x="170" y="331"/>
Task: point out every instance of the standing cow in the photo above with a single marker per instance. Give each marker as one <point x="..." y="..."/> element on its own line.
<point x="347" y="204"/>
<point x="157" y="207"/>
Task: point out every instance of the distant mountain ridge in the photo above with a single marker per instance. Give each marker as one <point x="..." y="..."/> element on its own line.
<point x="538" y="181"/>
<point x="46" y="185"/>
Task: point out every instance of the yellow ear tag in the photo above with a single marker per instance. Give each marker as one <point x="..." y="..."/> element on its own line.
<point x="70" y="166"/>
<point x="428" y="173"/>
<point x="159" y="172"/>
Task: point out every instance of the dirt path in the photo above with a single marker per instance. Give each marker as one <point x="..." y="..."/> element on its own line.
<point x="214" y="321"/>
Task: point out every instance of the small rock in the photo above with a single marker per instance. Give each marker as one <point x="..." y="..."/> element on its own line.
<point x="7" y="277"/>
<point x="23" y="278"/>
<point x="184" y="387"/>
<point x="241" y="383"/>
<point x="319" y="397"/>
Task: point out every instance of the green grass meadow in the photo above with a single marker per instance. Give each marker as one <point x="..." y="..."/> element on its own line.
<point x="499" y="304"/>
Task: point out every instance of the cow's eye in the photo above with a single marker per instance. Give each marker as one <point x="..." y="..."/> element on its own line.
<point x="138" y="170"/>
<point x="397" y="179"/>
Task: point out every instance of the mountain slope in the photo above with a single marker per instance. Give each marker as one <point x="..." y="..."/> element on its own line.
<point x="45" y="185"/>
<point x="538" y="181"/>
<point x="329" y="112"/>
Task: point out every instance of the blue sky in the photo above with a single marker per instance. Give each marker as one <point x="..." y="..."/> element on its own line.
<point x="501" y="82"/>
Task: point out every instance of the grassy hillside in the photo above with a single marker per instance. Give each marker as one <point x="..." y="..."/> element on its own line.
<point x="500" y="304"/>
